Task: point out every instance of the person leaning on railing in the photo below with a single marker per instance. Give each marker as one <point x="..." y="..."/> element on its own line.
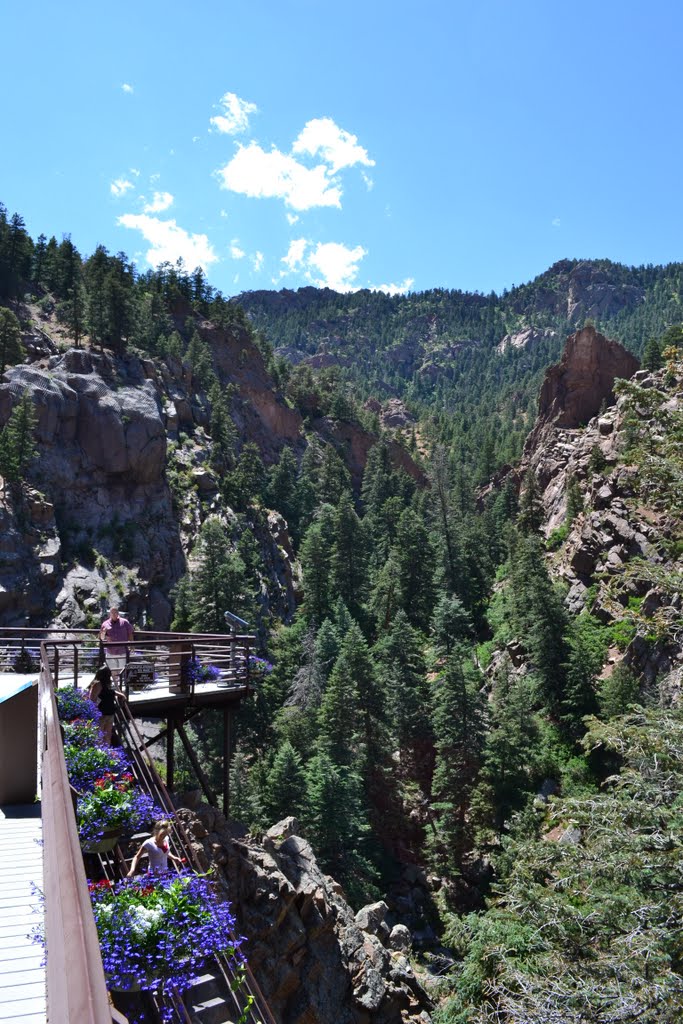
<point x="115" y="633"/>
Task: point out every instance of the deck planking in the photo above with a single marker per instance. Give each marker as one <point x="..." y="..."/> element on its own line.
<point x="22" y="973"/>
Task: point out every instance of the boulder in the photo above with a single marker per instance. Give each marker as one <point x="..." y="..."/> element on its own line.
<point x="400" y="938"/>
<point x="372" y="919"/>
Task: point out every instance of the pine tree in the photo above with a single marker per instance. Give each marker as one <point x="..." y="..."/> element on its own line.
<point x="17" y="445"/>
<point x="510" y="749"/>
<point x="415" y="559"/>
<point x="652" y="355"/>
<point x="198" y="355"/>
<point x="530" y="517"/>
<point x="587" y="648"/>
<point x="451" y="624"/>
<point x="539" y="617"/>
<point x="327" y="644"/>
<point x="458" y="723"/>
<point x="387" y="597"/>
<point x="315" y="557"/>
<point x="402" y="677"/>
<point x="284" y="791"/>
<point x="216" y="580"/>
<point x="11" y="349"/>
<point x="282" y="491"/>
<point x="348" y="556"/>
<point x="574" y="500"/>
<point x="619" y="690"/>
<point x="336" y="821"/>
<point x="223" y="431"/>
<point x="333" y="478"/>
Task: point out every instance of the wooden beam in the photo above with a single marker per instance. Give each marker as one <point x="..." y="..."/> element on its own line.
<point x="205" y="784"/>
<point x="170" y="759"/>
<point x="227" y="757"/>
<point x="155" y="739"/>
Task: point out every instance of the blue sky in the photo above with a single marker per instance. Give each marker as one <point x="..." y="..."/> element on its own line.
<point x="367" y="144"/>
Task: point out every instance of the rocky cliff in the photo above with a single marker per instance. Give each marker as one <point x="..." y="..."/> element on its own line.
<point x="620" y="558"/>
<point x="101" y="523"/>
<point x="313" y="958"/>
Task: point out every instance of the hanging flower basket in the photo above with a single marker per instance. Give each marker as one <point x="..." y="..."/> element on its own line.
<point x="161" y="931"/>
<point x="115" y="804"/>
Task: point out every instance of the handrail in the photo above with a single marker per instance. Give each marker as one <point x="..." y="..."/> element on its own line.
<point x="76" y="988"/>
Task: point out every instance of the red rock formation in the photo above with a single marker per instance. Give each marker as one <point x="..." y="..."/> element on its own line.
<point x="575" y="388"/>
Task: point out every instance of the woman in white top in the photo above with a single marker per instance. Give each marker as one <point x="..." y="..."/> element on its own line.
<point x="157" y="850"/>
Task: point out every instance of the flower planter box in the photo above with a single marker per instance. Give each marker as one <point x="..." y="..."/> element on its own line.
<point x="107" y="843"/>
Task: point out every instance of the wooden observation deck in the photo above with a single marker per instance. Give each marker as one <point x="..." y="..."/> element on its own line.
<point x="159" y="672"/>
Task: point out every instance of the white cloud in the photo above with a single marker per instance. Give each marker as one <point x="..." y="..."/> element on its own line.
<point x="135" y="172"/>
<point x="292" y="218"/>
<point x="224" y="213"/>
<point x="555" y="222"/>
<point x="328" y="265"/>
<point x="160" y="202"/>
<point x="257" y="261"/>
<point x="258" y="174"/>
<point x="369" y="183"/>
<point x="126" y="87"/>
<point x="236" y="252"/>
<point x="169" y="242"/>
<point x="153" y="178"/>
<point x="295" y="253"/>
<point x="395" y="289"/>
<point x="120" y="186"/>
<point x="337" y="263"/>
<point x="336" y="147"/>
<point x="235" y="117"/>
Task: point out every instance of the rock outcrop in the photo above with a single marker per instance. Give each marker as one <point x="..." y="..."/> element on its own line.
<point x="619" y="557"/>
<point x="315" y="961"/>
<point x="575" y="388"/>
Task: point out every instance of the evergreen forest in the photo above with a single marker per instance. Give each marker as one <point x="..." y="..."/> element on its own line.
<point x="430" y="697"/>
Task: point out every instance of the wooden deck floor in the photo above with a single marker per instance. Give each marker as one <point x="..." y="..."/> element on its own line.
<point x="22" y="979"/>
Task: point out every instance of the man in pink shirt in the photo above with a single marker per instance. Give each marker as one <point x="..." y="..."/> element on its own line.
<point x="115" y="632"/>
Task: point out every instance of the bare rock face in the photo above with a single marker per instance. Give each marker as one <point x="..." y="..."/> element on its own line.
<point x="395" y="415"/>
<point x="576" y="387"/>
<point x="314" y="961"/>
<point x="103" y="494"/>
<point x="526" y="338"/>
<point x="263" y="417"/>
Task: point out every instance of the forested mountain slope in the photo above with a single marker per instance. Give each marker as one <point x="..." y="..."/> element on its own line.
<point x="469" y="365"/>
<point x="442" y="593"/>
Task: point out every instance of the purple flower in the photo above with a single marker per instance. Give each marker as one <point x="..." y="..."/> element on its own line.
<point x="161" y="931"/>
<point x="114" y="804"/>
<point x="195" y="672"/>
<point x="72" y="703"/>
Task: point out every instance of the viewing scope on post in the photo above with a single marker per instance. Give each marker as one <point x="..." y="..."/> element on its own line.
<point x="235" y="623"/>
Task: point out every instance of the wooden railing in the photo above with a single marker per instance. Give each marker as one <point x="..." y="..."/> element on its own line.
<point x="77" y="651"/>
<point x="76" y="988"/>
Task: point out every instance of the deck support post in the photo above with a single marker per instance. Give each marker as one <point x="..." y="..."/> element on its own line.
<point x="170" y="758"/>
<point x="228" y="751"/>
